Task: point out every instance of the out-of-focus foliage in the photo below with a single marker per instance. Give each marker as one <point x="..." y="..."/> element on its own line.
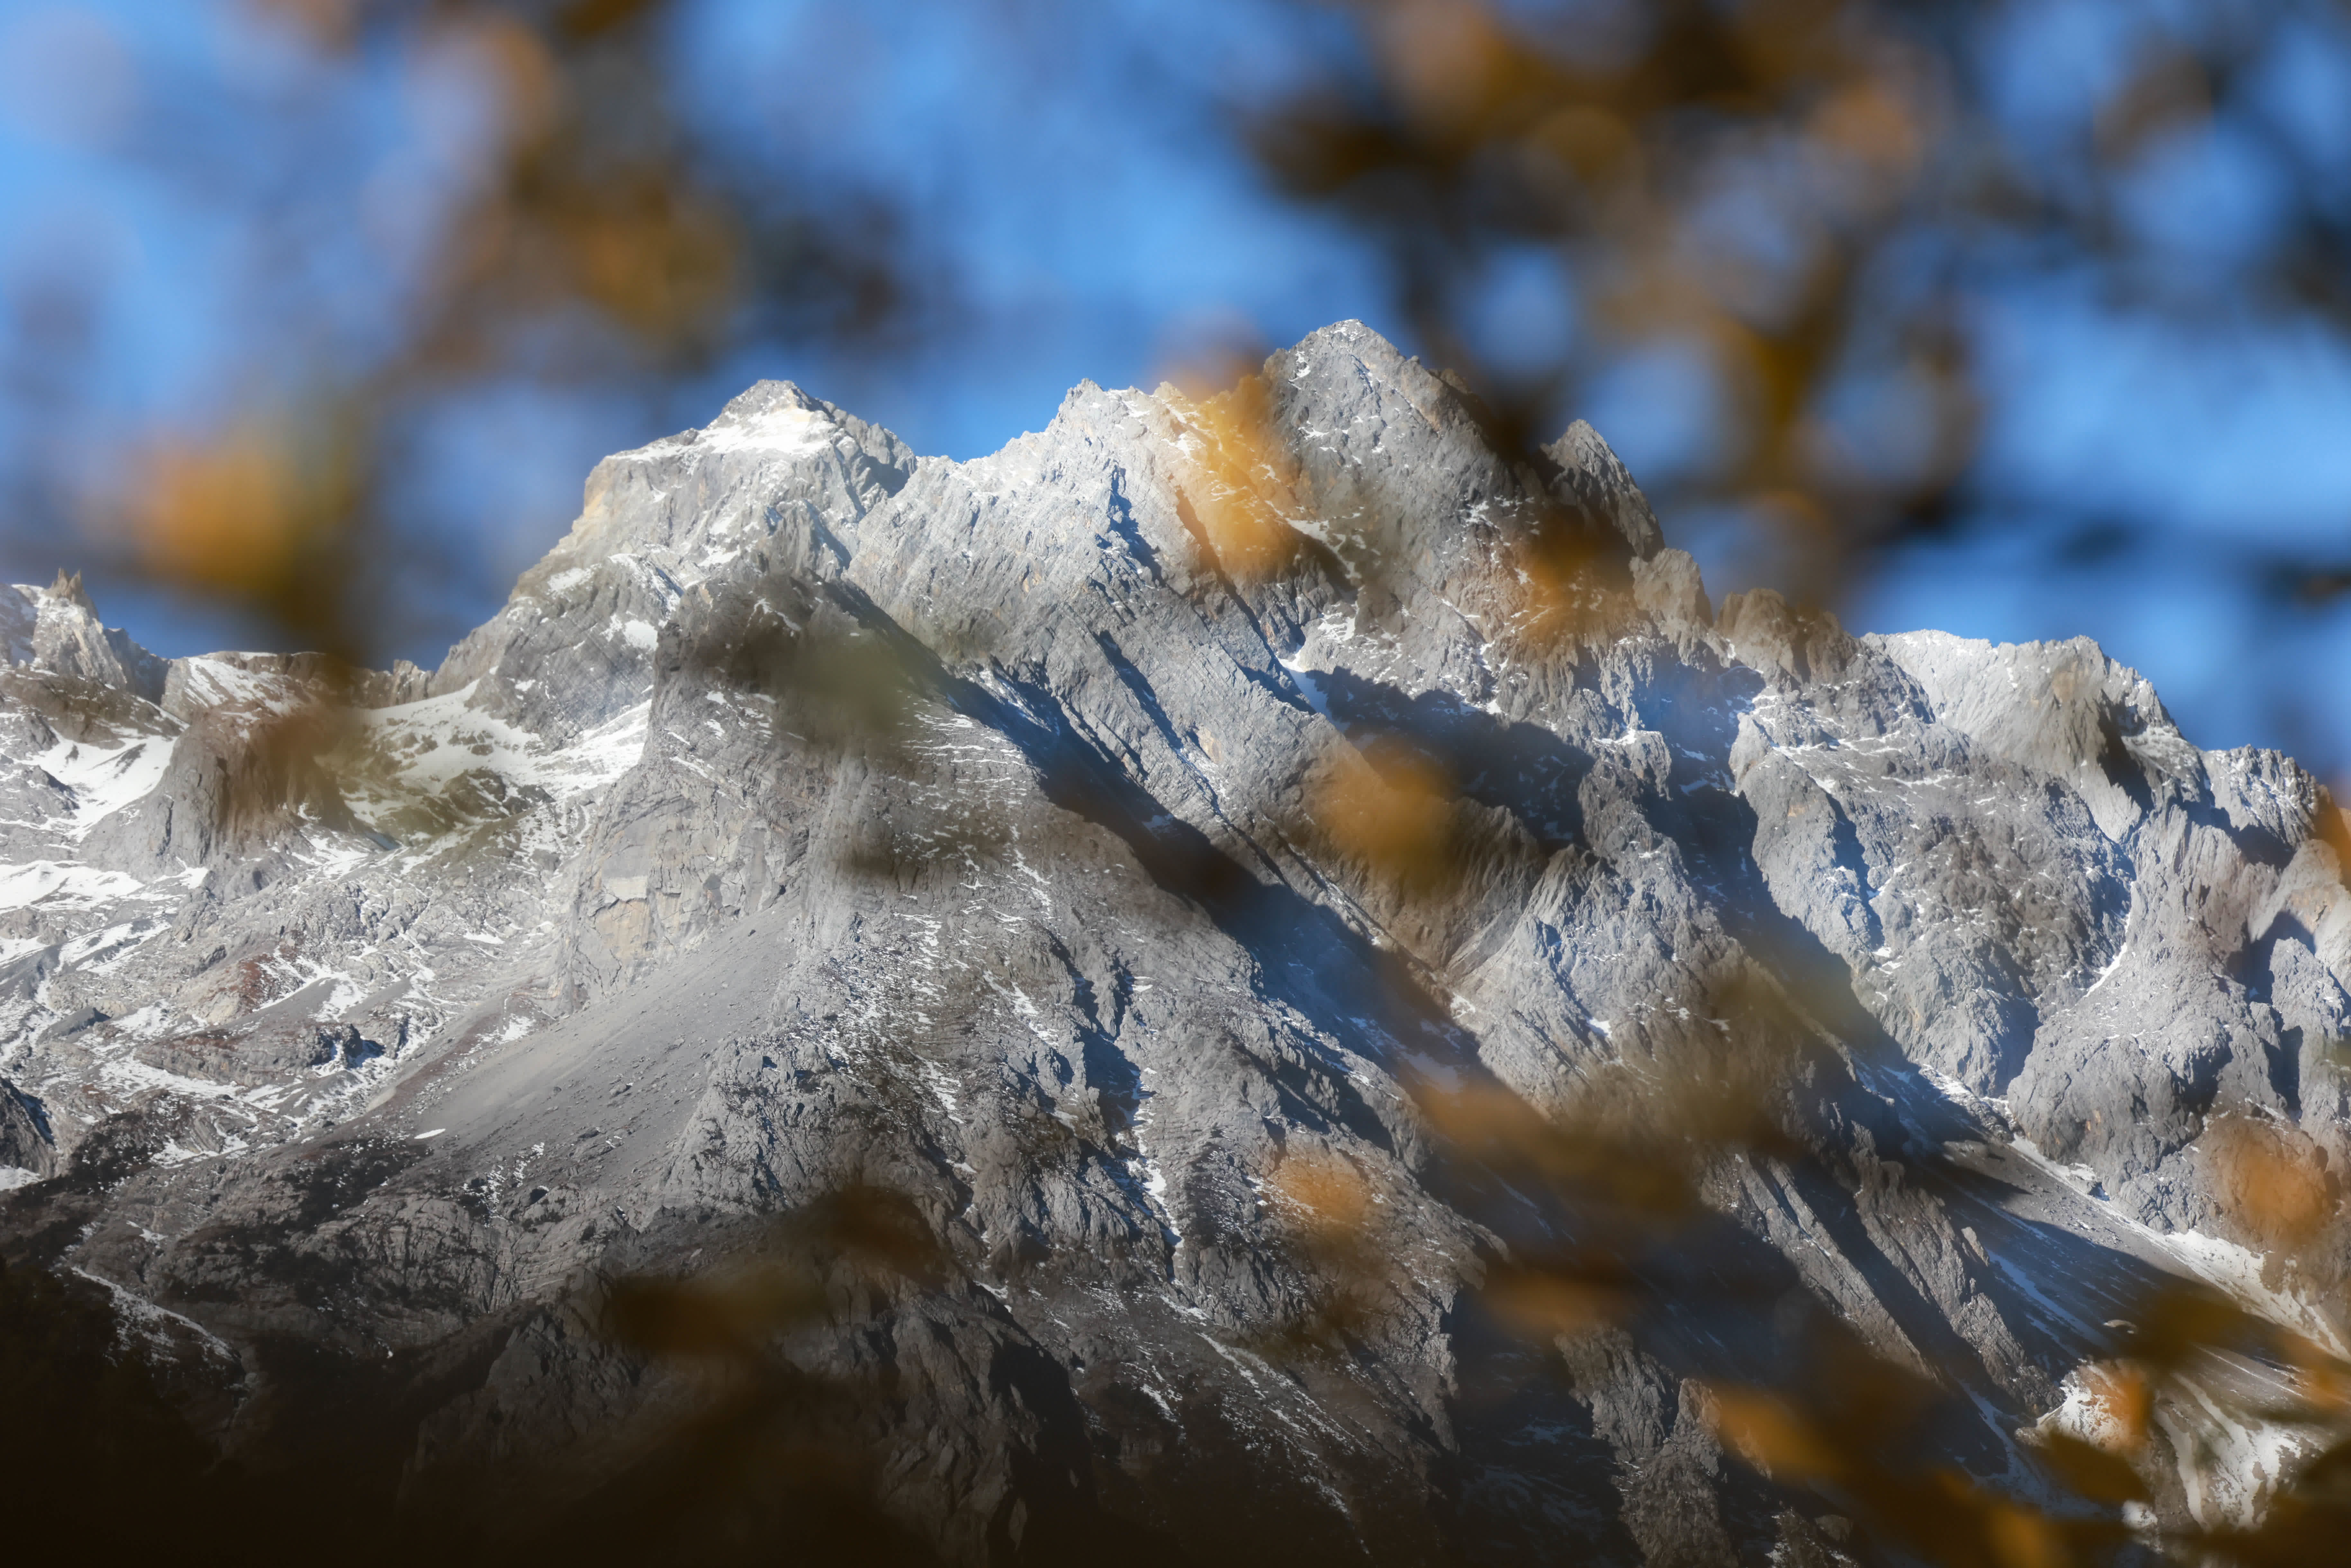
<point x="1239" y="459"/>
<point x="1390" y="808"/>
<point x="1804" y="207"/>
<point x="552" y="225"/>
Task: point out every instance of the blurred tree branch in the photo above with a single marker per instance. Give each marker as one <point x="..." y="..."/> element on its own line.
<point x="574" y="235"/>
<point x="1816" y="195"/>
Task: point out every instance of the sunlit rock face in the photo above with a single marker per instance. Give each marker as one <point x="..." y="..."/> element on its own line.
<point x="1104" y="861"/>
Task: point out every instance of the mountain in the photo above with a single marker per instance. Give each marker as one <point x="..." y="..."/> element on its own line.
<point x="1251" y="978"/>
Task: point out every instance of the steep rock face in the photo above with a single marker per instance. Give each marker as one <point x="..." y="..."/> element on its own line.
<point x="1078" y="879"/>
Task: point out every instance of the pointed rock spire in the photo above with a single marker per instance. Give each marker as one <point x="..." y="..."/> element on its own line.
<point x="69" y="588"/>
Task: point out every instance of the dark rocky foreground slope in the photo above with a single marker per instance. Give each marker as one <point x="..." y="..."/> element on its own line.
<point x="1239" y="980"/>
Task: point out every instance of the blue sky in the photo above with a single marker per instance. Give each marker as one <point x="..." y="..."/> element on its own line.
<point x="1069" y="170"/>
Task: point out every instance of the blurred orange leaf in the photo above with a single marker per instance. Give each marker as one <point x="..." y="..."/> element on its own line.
<point x="1772" y="1435"/>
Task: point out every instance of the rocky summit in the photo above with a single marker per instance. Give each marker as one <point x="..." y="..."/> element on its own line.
<point x="1252" y="978"/>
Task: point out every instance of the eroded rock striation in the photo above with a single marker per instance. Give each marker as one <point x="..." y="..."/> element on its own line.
<point x="1004" y="934"/>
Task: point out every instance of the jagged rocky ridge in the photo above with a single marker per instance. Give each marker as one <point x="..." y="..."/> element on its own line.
<point x="819" y="818"/>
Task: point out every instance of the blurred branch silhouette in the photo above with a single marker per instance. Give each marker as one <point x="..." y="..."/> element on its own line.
<point x="569" y="231"/>
<point x="1808" y="200"/>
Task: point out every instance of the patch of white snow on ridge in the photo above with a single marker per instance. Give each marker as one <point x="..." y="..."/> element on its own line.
<point x="332" y="860"/>
<point x="2236" y="1272"/>
<point x="640" y="634"/>
<point x="597" y="757"/>
<point x="70" y="885"/>
<point x="1309" y="685"/>
<point x="104" y="781"/>
<point x="2233" y="1270"/>
<point x="126" y="1076"/>
<point x="780" y="431"/>
<point x="101" y="951"/>
<point x="436" y="740"/>
<point x="210" y="682"/>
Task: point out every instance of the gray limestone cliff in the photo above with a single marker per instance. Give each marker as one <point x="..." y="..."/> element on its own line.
<point x="1089" y="866"/>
